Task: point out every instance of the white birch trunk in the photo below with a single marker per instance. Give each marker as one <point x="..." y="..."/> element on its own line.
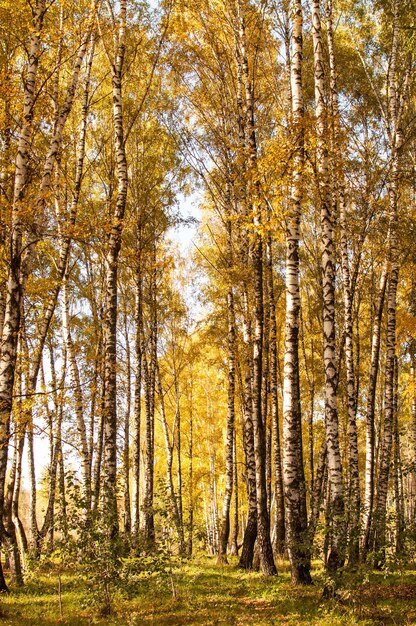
<point x="259" y="428"/>
<point x="293" y="473"/>
<point x="137" y="405"/>
<point x="111" y="272"/>
<point x="336" y="549"/>
<point x="393" y="190"/>
<point x="370" y="415"/>
<point x="338" y="192"/>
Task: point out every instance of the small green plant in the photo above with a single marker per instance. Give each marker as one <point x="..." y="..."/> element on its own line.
<point x="109" y="565"/>
<point x="100" y="559"/>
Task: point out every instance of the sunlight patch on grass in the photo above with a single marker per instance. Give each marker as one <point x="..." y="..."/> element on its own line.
<point x="217" y="595"/>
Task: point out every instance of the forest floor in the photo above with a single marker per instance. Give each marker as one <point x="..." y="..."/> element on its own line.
<point x="208" y="594"/>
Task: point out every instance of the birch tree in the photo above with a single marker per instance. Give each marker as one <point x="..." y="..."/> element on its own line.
<point x="11" y="322"/>
<point x="395" y="109"/>
<point x="335" y="557"/>
<point x="339" y="199"/>
<point x="116" y="61"/>
<point x="293" y="472"/>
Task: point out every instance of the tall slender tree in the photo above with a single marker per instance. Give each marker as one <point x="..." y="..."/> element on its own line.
<point x="335" y="557"/>
<point x="293" y="472"/>
<point x="111" y="269"/>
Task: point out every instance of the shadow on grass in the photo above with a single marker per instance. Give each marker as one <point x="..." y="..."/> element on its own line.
<point x="208" y="594"/>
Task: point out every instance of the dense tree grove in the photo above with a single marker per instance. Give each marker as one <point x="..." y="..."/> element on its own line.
<point x="252" y="393"/>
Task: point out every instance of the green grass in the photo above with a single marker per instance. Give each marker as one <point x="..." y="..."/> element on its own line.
<point x="207" y="594"/>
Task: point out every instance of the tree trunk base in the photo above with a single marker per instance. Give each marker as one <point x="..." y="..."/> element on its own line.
<point x="3" y="586"/>
<point x="222" y="559"/>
